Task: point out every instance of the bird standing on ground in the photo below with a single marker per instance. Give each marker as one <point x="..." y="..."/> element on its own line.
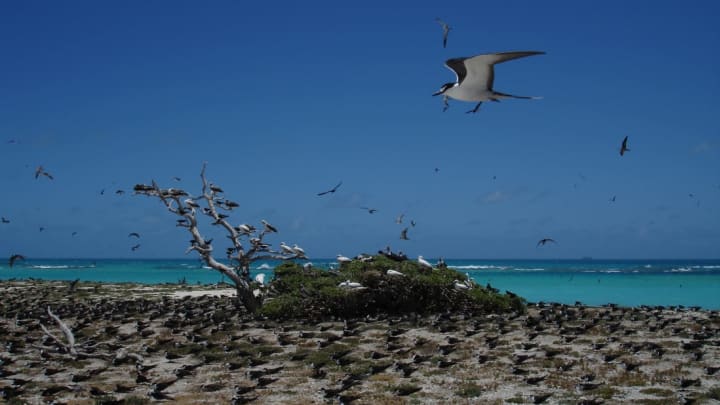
<point x="424" y="262"/>
<point x="446" y="30"/>
<point x="332" y="190"/>
<point x="545" y="240"/>
<point x="15" y="258"/>
<point x="475" y="76"/>
<point x="623" y="147"/>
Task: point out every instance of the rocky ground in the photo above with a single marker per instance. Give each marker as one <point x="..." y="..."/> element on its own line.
<point x="137" y="344"/>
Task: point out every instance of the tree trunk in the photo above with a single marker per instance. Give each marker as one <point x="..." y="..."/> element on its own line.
<point x="247" y="299"/>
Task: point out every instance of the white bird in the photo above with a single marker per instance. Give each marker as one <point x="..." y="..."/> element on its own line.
<point x="350" y="285"/>
<point x="343" y="259"/>
<point x="475" y="76"/>
<point x="286" y="249"/>
<point x="298" y="250"/>
<point x="191" y="203"/>
<point x="268" y="228"/>
<point x="424" y="262"/>
<point x="307" y="266"/>
<point x="245" y="229"/>
<point x="392" y="272"/>
<point x="260" y="278"/>
<point x="461" y="286"/>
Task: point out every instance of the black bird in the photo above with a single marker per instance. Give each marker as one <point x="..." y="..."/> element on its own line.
<point x="446" y="30"/>
<point x="119" y="192"/>
<point x="545" y="240"/>
<point x="74" y="233"/>
<point x="332" y="190"/>
<point x="5" y="220"/>
<point x="135" y="234"/>
<point x="41" y="172"/>
<point x="14" y="258"/>
<point x="623" y="147"/>
<point x="268" y="228"/>
<point x="136" y="247"/>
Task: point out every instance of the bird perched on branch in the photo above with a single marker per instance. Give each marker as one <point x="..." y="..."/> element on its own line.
<point x="268" y="227"/>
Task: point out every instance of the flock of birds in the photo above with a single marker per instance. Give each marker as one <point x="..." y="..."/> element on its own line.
<point x="474" y="81"/>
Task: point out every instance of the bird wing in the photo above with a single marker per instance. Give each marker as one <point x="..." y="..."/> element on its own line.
<point x="323" y="193"/>
<point x="479" y="68"/>
<point x="457" y="65"/>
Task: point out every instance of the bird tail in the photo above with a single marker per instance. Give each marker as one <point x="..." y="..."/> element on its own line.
<point x="503" y="95"/>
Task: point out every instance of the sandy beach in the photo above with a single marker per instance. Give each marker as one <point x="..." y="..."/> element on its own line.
<point x="185" y="344"/>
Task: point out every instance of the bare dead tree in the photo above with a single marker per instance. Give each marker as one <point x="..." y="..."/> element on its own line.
<point x="247" y="243"/>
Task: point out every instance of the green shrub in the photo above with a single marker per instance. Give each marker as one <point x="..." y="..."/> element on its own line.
<point x="297" y="293"/>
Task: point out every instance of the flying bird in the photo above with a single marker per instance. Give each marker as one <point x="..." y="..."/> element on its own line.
<point x="403" y="234"/>
<point x="369" y="210"/>
<point x="399" y="219"/>
<point x="5" y="220"/>
<point x="135" y="234"/>
<point x="613" y="199"/>
<point x="74" y="233"/>
<point x="176" y="178"/>
<point x="332" y="190"/>
<point x="623" y="147"/>
<point x="545" y="240"/>
<point x="475" y="76"/>
<point x="446" y="30"/>
<point x="14" y="258"/>
<point x="119" y="192"/>
<point x="39" y="171"/>
<point x="413" y="223"/>
<point x="136" y="247"/>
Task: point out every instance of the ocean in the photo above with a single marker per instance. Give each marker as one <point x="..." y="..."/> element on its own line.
<point x="592" y="282"/>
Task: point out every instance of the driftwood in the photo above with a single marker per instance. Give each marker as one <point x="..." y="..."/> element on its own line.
<point x="247" y="243"/>
<point x="70" y="345"/>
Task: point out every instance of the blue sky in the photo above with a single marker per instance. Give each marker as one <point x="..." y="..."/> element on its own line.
<point x="286" y="99"/>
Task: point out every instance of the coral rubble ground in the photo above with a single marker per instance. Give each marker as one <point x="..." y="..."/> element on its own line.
<point x="140" y="344"/>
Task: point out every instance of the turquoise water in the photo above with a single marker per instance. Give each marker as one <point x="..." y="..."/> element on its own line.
<point x="592" y="282"/>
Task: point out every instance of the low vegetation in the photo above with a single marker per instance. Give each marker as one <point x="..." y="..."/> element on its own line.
<point x="296" y="292"/>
